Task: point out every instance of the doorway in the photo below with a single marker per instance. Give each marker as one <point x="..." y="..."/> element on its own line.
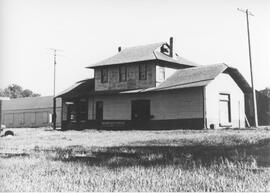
<point x="224" y="110"/>
<point x="140" y="110"/>
<point x="99" y="110"/>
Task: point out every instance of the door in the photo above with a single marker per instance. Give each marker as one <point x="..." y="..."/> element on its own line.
<point x="140" y="110"/>
<point x="99" y="110"/>
<point x="224" y="110"/>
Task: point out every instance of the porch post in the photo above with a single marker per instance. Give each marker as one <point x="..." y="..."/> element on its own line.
<point x="54" y="113"/>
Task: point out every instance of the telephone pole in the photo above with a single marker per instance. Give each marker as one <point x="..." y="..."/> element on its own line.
<point x="248" y="13"/>
<point x="54" y="81"/>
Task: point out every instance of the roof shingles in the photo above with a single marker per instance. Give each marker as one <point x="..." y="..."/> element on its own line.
<point x="143" y="53"/>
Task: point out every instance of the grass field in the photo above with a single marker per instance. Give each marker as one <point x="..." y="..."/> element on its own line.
<point x="178" y="160"/>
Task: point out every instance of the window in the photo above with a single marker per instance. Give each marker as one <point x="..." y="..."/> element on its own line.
<point x="224" y="109"/>
<point x="122" y="73"/>
<point x="104" y="75"/>
<point x="142" y="72"/>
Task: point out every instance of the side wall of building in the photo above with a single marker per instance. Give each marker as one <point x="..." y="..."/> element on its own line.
<point x="162" y="73"/>
<point x="132" y="81"/>
<point x="224" y="84"/>
<point x="30" y="117"/>
<point x="29" y="112"/>
<point x="177" y="109"/>
<point x="180" y="104"/>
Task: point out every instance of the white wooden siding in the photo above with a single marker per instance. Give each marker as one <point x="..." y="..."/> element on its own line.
<point x="29" y="117"/>
<point x="181" y="104"/>
<point x="224" y="84"/>
<point x="160" y="77"/>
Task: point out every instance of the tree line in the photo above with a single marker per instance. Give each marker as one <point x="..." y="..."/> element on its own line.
<point x="16" y="91"/>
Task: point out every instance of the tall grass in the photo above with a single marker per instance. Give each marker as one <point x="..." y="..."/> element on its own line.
<point x="159" y="161"/>
<point x="44" y="174"/>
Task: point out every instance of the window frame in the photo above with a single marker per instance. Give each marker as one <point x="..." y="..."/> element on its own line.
<point x="142" y="69"/>
<point x="122" y="79"/>
<point x="103" y="71"/>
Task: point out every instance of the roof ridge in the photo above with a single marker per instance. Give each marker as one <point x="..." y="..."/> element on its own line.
<point x="157" y="88"/>
<point x="24" y="98"/>
<point x="142" y="45"/>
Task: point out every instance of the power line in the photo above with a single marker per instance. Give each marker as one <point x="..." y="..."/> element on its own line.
<point x="248" y="13"/>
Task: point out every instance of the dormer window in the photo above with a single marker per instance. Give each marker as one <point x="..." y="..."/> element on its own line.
<point x="165" y="49"/>
<point x="142" y="72"/>
<point x="104" y="75"/>
<point x="122" y="73"/>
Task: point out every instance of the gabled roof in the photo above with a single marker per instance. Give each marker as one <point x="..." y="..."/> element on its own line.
<point x="193" y="76"/>
<point x="148" y="52"/>
<point x="29" y="103"/>
<point x="80" y="88"/>
<point x="183" y="78"/>
<point x="196" y="77"/>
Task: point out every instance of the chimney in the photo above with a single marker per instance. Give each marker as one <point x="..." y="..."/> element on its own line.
<point x="171" y="46"/>
<point x="119" y="49"/>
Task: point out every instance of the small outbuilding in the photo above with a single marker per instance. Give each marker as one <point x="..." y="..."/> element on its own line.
<point x="151" y="87"/>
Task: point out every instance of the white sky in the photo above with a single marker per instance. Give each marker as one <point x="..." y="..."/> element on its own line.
<point x="206" y="32"/>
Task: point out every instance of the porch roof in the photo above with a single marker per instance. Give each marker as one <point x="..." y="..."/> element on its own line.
<point x="80" y="88"/>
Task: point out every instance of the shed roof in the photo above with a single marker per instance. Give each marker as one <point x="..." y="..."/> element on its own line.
<point x="30" y="103"/>
<point x="150" y="52"/>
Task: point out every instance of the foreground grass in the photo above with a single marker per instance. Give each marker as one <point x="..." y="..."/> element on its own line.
<point x="41" y="174"/>
<point x="45" y="160"/>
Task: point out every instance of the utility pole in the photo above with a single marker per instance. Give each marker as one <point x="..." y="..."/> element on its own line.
<point x="54" y="81"/>
<point x="248" y="13"/>
<point x="54" y="71"/>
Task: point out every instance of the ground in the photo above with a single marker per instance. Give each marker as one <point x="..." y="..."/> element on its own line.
<point x="42" y="159"/>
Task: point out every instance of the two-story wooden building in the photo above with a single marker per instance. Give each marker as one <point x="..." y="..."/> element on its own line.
<point x="151" y="87"/>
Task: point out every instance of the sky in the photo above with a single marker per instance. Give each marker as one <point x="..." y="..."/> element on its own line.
<point x="87" y="31"/>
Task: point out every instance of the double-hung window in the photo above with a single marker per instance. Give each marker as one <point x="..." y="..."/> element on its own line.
<point x="122" y="73"/>
<point x="142" y="72"/>
<point x="104" y="75"/>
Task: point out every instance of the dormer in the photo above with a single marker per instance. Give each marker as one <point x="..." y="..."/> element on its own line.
<point x="138" y="67"/>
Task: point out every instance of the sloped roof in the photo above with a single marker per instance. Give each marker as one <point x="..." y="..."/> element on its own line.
<point x="148" y="52"/>
<point x="239" y="79"/>
<point x="194" y="76"/>
<point x="183" y="78"/>
<point x="29" y="103"/>
<point x="80" y="88"/>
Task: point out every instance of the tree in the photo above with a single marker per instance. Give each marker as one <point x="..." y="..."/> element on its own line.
<point x="27" y="93"/>
<point x="16" y="91"/>
<point x="1" y="93"/>
<point x="266" y="91"/>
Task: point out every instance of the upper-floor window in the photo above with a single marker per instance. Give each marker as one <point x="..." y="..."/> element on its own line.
<point x="142" y="72"/>
<point x="122" y="73"/>
<point x="104" y="75"/>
